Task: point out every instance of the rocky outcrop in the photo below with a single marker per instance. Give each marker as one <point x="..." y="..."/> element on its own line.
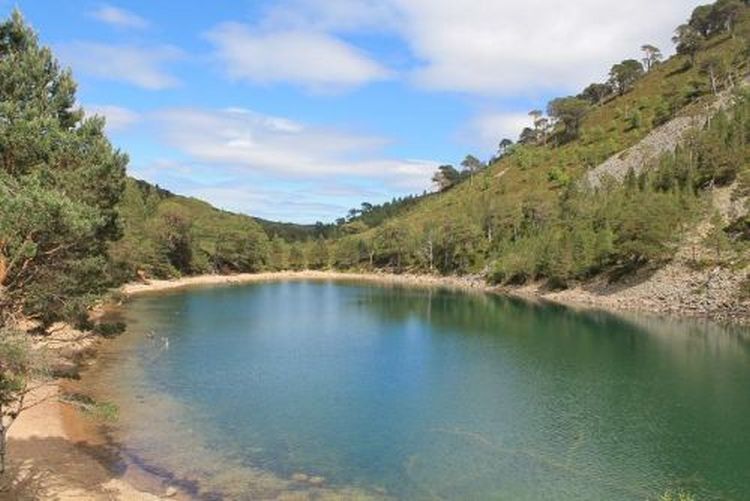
<point x="662" y="139"/>
<point x="691" y="284"/>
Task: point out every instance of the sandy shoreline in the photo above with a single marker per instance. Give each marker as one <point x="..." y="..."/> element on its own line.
<point x="579" y="297"/>
<point x="414" y="280"/>
<point x="56" y="452"/>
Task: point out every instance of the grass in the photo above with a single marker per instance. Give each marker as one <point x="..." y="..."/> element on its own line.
<point x="99" y="410"/>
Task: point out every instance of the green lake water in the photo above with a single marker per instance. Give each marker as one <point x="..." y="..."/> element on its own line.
<point x="426" y="394"/>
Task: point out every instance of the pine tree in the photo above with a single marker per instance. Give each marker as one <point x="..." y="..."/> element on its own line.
<point x="716" y="238"/>
<point x="60" y="181"/>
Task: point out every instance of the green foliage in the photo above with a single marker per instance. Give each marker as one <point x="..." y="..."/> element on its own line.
<point x="530" y="216"/>
<point x="60" y="182"/>
<point x="662" y="112"/>
<point x="446" y="177"/>
<point x="100" y="410"/>
<point x="279" y="257"/>
<point x="569" y="112"/>
<point x="317" y="256"/>
<point x="624" y="75"/>
<point x="652" y="56"/>
<point x="297" y="259"/>
<point x="392" y="244"/>
<point x="619" y="226"/>
<point x="716" y="238"/>
<point x="19" y="366"/>
<point x="596" y="93"/>
<point x="166" y="235"/>
<point x="688" y="41"/>
<point x="558" y="176"/>
<point x="292" y="232"/>
<point x="635" y="119"/>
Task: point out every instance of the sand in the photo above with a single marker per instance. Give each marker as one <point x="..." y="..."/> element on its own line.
<point x="56" y="453"/>
<point x="455" y="282"/>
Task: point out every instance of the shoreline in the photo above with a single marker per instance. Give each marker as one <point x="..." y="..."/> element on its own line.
<point x="406" y="279"/>
<point x="57" y="451"/>
<point x="595" y="296"/>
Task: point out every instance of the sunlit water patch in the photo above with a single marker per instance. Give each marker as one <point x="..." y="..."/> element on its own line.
<point x="352" y="390"/>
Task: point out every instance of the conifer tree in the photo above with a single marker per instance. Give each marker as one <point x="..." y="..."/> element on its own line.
<point x="60" y="181"/>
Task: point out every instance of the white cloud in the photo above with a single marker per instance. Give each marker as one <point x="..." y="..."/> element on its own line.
<point x="507" y="47"/>
<point x="263" y="144"/>
<point x="138" y="65"/>
<point x="312" y="59"/>
<point x="118" y="118"/>
<point x="501" y="47"/>
<point x="486" y="130"/>
<point x="119" y="17"/>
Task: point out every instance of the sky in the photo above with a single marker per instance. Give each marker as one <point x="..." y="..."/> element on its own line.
<point x="298" y="110"/>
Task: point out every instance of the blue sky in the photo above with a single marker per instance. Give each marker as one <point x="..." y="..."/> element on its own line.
<point x="297" y="110"/>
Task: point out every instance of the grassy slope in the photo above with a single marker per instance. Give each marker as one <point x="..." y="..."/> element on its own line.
<point x="524" y="177"/>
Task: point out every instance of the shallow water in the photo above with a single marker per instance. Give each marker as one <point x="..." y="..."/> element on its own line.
<point x="424" y="394"/>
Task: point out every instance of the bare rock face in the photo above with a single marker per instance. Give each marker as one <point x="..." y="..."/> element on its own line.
<point x="663" y="139"/>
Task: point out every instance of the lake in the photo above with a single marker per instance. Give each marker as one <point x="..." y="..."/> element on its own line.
<point x="250" y="391"/>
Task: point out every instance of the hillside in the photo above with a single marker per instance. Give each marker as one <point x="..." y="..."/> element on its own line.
<point x="167" y="235"/>
<point x="601" y="188"/>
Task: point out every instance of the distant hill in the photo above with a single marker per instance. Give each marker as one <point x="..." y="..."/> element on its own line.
<point x="293" y="232"/>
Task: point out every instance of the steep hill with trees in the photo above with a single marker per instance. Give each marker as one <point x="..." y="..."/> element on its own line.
<point x="167" y="235"/>
<point x="531" y="215"/>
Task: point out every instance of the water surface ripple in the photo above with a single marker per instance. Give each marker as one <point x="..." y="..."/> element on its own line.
<point x="427" y="394"/>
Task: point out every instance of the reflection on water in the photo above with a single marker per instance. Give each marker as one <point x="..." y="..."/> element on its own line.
<point x="417" y="394"/>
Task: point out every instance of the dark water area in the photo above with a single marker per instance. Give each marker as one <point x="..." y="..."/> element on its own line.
<point x="426" y="394"/>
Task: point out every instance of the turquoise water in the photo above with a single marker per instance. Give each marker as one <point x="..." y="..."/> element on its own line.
<point x="427" y="394"/>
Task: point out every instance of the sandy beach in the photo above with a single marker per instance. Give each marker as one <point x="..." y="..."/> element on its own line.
<point x="56" y="451"/>
<point x="406" y="279"/>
